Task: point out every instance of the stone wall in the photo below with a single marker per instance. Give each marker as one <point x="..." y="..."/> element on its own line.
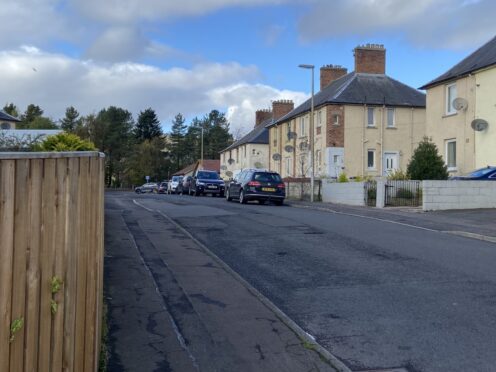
<point x="443" y="195"/>
<point x="350" y="193"/>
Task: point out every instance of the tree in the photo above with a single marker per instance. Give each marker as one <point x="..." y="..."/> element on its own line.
<point x="426" y="163"/>
<point x="11" y="109"/>
<point x="32" y="112"/>
<point x="177" y="141"/>
<point x="41" y="122"/>
<point x="148" y="159"/>
<point x="71" y="120"/>
<point x="148" y="126"/>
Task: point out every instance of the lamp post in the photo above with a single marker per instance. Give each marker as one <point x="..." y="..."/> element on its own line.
<point x="201" y="156"/>
<point x="311" y="147"/>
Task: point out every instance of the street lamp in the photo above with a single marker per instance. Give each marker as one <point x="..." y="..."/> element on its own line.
<point x="311" y="147"/>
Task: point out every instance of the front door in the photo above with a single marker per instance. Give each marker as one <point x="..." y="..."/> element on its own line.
<point x="391" y="162"/>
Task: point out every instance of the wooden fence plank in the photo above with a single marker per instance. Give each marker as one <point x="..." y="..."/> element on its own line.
<point x="21" y="234"/>
<point x="59" y="264"/>
<point x="46" y="263"/>
<point x="7" y="206"/>
<point x="33" y="274"/>
<point x="71" y="246"/>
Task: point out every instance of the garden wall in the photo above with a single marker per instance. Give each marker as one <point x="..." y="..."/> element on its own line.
<point x="351" y="193"/>
<point x="443" y="195"/>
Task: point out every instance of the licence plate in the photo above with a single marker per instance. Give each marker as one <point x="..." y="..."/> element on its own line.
<point x="271" y="189"/>
<point x="212" y="187"/>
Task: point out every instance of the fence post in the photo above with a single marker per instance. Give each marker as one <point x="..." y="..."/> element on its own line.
<point x="380" y="201"/>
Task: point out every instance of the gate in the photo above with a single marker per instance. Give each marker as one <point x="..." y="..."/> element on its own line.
<point x="403" y="194"/>
<point x="370" y="193"/>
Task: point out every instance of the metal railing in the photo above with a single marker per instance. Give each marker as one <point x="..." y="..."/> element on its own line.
<point x="403" y="193"/>
<point x="370" y="193"/>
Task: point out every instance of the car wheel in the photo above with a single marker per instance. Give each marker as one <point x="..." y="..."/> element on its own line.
<point x="228" y="195"/>
<point x="279" y="202"/>
<point x="196" y="193"/>
<point x="261" y="201"/>
<point x="221" y="195"/>
<point x="242" y="199"/>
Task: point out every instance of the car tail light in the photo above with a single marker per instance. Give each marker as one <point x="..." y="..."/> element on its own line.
<point x="281" y="186"/>
<point x="254" y="184"/>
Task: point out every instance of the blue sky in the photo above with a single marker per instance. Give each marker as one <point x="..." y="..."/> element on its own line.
<point x="191" y="56"/>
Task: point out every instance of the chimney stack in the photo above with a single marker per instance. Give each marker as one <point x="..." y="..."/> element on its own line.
<point x="329" y="73"/>
<point x="261" y="116"/>
<point x="281" y="108"/>
<point x="370" y="59"/>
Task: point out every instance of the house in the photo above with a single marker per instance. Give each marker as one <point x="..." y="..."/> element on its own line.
<point x="365" y="123"/>
<point x="205" y="164"/>
<point x="461" y="111"/>
<point x="7" y="121"/>
<point x="252" y="150"/>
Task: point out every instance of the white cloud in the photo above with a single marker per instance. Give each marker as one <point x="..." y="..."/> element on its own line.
<point x="242" y="100"/>
<point x="433" y="23"/>
<point x="54" y="81"/>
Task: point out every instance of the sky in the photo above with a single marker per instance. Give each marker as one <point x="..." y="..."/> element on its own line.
<point x="236" y="56"/>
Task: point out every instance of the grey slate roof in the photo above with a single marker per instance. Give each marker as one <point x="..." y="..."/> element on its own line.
<point x="7" y="117"/>
<point x="259" y="135"/>
<point x="360" y="88"/>
<point x="483" y="57"/>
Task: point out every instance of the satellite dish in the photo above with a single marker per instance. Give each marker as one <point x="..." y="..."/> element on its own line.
<point x="276" y="157"/>
<point x="231" y="161"/>
<point x="460" y="104"/>
<point x="303" y="146"/>
<point x="258" y="165"/>
<point x="223" y="167"/>
<point x="229" y="174"/>
<point x="288" y="148"/>
<point x="479" y="125"/>
<point x="292" y="135"/>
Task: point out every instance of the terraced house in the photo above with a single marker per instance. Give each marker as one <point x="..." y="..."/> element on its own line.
<point x="365" y="123"/>
<point x="252" y="150"/>
<point x="461" y="111"/>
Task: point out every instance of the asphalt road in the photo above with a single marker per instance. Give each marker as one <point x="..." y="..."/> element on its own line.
<point x="375" y="294"/>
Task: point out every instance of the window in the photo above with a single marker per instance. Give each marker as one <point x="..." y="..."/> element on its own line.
<point x="370" y="117"/>
<point x="451" y="154"/>
<point x="302" y="127"/>
<point x="390" y="118"/>
<point x="371" y="159"/>
<point x="450" y="97"/>
<point x="318" y="157"/>
<point x="335" y="119"/>
<point x="5" y="126"/>
<point x="289" y="166"/>
<point x="319" y="118"/>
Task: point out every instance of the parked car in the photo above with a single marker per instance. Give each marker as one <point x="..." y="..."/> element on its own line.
<point x="147" y="187"/>
<point x="483" y="174"/>
<point x="162" y="188"/>
<point x="173" y="183"/>
<point x="253" y="184"/>
<point x="207" y="182"/>
<point x="186" y="185"/>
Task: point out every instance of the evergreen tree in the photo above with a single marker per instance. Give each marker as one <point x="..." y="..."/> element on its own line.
<point x="41" y="122"/>
<point x="426" y="163"/>
<point x="11" y="109"/>
<point x="71" y="120"/>
<point x="177" y="142"/>
<point x="148" y="159"/>
<point x="148" y="126"/>
<point x="32" y="112"/>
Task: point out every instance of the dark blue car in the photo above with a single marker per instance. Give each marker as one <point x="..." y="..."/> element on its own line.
<point x="207" y="182"/>
<point x="483" y="174"/>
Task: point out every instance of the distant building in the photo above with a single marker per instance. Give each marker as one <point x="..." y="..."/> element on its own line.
<point x="7" y="121"/>
<point x="461" y="111"/>
<point x="365" y="123"/>
<point x="205" y="164"/>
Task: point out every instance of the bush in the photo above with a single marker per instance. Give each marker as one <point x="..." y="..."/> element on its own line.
<point x="64" y="142"/>
<point x="398" y="175"/>
<point x="404" y="194"/>
<point x="426" y="163"/>
<point x="372" y="193"/>
<point x="343" y="178"/>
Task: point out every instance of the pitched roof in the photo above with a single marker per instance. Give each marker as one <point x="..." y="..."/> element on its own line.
<point x="483" y="57"/>
<point x="359" y="89"/>
<point x="208" y="164"/>
<point x="7" y="117"/>
<point x="259" y="134"/>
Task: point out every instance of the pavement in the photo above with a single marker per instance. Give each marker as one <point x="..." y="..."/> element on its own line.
<point x="172" y="306"/>
<point x="475" y="223"/>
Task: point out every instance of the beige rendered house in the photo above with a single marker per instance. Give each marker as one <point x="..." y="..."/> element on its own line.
<point x="461" y="111"/>
<point x="365" y="123"/>
<point x="252" y="150"/>
<point x="7" y="121"/>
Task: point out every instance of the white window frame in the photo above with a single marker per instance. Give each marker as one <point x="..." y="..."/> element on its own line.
<point x="335" y="120"/>
<point x="374" y="160"/>
<point x="318" y="156"/>
<point x="289" y="166"/>
<point x="447" y="142"/>
<point x="319" y="118"/>
<point x="393" y="123"/>
<point x="303" y="131"/>
<point x="370" y="110"/>
<point x="450" y="110"/>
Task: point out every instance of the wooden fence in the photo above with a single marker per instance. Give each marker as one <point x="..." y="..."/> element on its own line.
<point x="51" y="261"/>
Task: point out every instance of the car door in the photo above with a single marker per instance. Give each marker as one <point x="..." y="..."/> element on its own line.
<point x="235" y="185"/>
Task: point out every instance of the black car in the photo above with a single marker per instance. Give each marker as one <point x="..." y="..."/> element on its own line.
<point x="483" y="174"/>
<point x="257" y="185"/>
<point x="207" y="182"/>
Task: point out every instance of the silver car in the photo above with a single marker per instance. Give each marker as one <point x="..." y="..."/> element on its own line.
<point x="172" y="187"/>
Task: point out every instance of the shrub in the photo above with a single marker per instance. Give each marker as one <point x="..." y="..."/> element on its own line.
<point x="404" y="194"/>
<point x="426" y="163"/>
<point x="343" y="178"/>
<point x="358" y="179"/>
<point x="64" y="142"/>
<point x="372" y="193"/>
<point x="398" y="175"/>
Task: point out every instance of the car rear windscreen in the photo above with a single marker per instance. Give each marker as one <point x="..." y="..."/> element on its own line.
<point x="267" y="177"/>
